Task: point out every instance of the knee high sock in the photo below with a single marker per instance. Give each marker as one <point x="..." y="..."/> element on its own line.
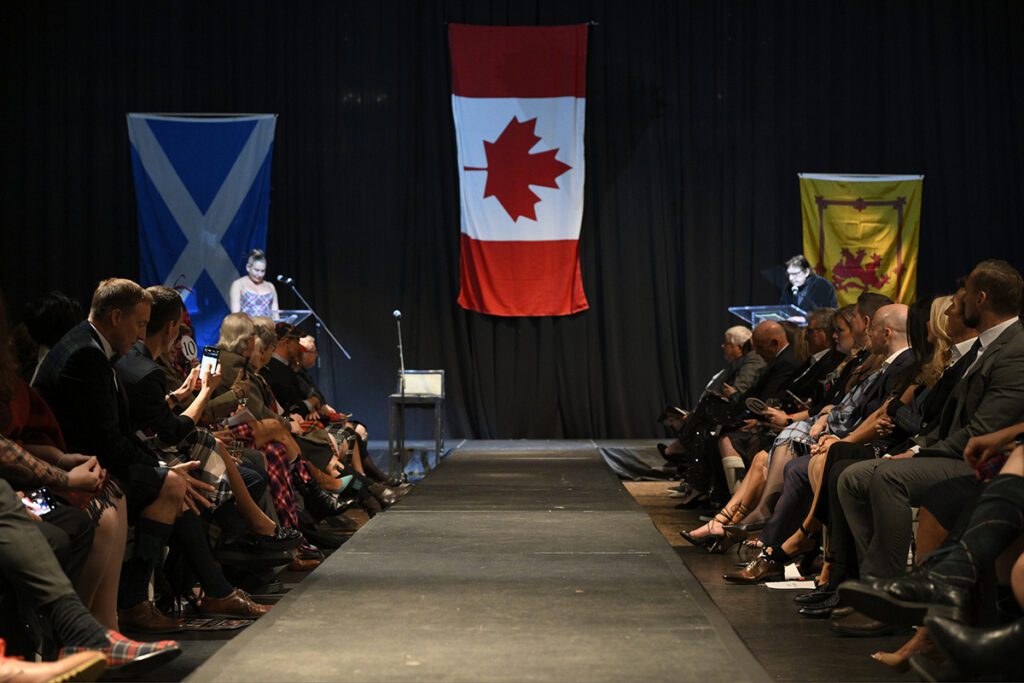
<point x="190" y="537"/>
<point x="997" y="520"/>
<point x="72" y="623"/>
<point x="150" y="538"/>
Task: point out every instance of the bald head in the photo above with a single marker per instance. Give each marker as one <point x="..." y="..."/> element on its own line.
<point x="769" y="338"/>
<point x="888" y="330"/>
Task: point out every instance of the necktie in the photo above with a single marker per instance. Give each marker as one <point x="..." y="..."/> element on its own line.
<point x="950" y="411"/>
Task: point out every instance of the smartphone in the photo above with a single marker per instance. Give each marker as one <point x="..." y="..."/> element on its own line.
<point x="211" y="360"/>
<point x="39" y="502"/>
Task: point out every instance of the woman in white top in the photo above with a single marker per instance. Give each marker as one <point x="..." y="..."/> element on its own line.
<point x="251" y="293"/>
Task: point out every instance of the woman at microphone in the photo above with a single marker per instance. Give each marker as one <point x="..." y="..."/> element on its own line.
<point x="251" y="293"/>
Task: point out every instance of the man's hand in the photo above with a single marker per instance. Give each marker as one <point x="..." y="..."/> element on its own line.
<point x="899" y="456"/>
<point x="776" y="417"/>
<point x="209" y="381"/>
<point x="824" y="444"/>
<point x="982" y="448"/>
<point x="194" y="498"/>
<point x="749" y="425"/>
<point x="187" y="386"/>
<point x="87" y="476"/>
<point x="728" y="390"/>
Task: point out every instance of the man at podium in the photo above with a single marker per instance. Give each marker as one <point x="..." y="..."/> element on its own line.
<point x="806" y="289"/>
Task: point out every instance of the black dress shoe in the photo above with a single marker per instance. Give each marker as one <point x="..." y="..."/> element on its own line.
<point x="821" y="609"/>
<point x="282" y="539"/>
<point x="908" y="599"/>
<point x="857" y="625"/>
<point x="981" y="651"/>
<point x="820" y="592"/>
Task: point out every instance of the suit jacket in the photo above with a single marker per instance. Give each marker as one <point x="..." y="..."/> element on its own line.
<point x="145" y="384"/>
<point x="808" y="379"/>
<point x="286" y="386"/>
<point x="776" y="377"/>
<point x="990" y="398"/>
<point x="892" y="380"/>
<point x="77" y="381"/>
<point x="740" y="373"/>
<point x="817" y="292"/>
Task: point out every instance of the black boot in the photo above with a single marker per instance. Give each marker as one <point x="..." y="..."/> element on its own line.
<point x="981" y="651"/>
<point x="319" y="503"/>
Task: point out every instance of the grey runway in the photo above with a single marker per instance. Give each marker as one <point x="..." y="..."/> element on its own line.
<point x="513" y="561"/>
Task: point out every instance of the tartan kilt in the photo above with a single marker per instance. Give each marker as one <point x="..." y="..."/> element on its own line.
<point x="798" y="435"/>
<point x="200" y="446"/>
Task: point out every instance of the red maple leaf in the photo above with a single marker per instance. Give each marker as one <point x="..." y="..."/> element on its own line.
<point x="511" y="169"/>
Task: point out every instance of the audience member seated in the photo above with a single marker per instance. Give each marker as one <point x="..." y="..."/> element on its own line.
<point x="31" y="578"/>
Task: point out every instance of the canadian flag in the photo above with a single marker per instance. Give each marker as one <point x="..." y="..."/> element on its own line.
<point x="518" y="97"/>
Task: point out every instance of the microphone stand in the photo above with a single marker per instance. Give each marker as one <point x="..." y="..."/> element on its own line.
<point x="400" y="440"/>
<point x="319" y="321"/>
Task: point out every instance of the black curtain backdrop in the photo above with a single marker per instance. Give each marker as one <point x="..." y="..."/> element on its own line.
<point x="700" y="115"/>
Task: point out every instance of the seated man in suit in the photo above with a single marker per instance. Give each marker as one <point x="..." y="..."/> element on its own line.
<point x="877" y="495"/>
<point x="281" y="376"/>
<point x="77" y="380"/>
<point x="770" y="342"/>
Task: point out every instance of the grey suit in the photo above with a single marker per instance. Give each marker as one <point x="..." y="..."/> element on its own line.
<point x="877" y="494"/>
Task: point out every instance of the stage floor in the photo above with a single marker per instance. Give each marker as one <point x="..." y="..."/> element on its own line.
<point x="513" y="561"/>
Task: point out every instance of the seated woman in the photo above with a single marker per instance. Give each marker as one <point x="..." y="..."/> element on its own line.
<point x="252" y="294"/>
<point x="27" y="421"/>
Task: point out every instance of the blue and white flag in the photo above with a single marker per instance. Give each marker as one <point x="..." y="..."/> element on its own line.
<point x="202" y="186"/>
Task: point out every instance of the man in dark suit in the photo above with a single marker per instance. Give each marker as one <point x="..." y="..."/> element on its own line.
<point x="78" y="381"/>
<point x="771" y="344"/>
<point x="280" y="373"/>
<point x="808" y="379"/>
<point x="806" y="290"/>
<point x="877" y="495"/>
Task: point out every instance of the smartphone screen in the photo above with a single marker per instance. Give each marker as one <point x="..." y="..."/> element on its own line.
<point x="211" y="359"/>
<point x="38" y="502"/>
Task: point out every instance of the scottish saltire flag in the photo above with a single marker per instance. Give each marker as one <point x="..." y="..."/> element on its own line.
<point x="518" y="98"/>
<point x="202" y="185"/>
<point x="861" y="232"/>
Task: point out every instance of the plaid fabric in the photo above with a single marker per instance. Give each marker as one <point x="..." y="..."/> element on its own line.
<point x="281" y="492"/>
<point x="122" y="650"/>
<point x="278" y="474"/>
<point x="200" y="446"/>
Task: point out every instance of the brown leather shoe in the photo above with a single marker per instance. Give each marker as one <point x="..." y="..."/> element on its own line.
<point x="300" y="564"/>
<point x="857" y="625"/>
<point x="146" y="618"/>
<point x="84" y="666"/>
<point x="235" y="605"/>
<point x="761" y="568"/>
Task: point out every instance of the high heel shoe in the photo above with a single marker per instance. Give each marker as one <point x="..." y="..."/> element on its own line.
<point x="699" y="541"/>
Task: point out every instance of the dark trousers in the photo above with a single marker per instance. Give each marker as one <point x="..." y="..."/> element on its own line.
<point x="793" y="504"/>
<point x="842" y="548"/>
<point x="30" y="575"/>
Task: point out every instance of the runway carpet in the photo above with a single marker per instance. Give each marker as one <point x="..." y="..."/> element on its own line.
<point x="514" y="561"/>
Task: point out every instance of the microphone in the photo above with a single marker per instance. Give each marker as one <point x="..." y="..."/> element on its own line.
<point x="285" y="279"/>
<point x="397" y="314"/>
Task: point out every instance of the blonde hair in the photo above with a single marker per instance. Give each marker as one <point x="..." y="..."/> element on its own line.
<point x="235" y="331"/>
<point x="938" y="321"/>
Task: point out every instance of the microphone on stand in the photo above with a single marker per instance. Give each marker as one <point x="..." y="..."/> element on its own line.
<point x="396" y="314"/>
<point x="396" y="457"/>
<point x="284" y="279"/>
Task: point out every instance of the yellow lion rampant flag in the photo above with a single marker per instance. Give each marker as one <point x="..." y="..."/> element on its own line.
<point x="861" y="232"/>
